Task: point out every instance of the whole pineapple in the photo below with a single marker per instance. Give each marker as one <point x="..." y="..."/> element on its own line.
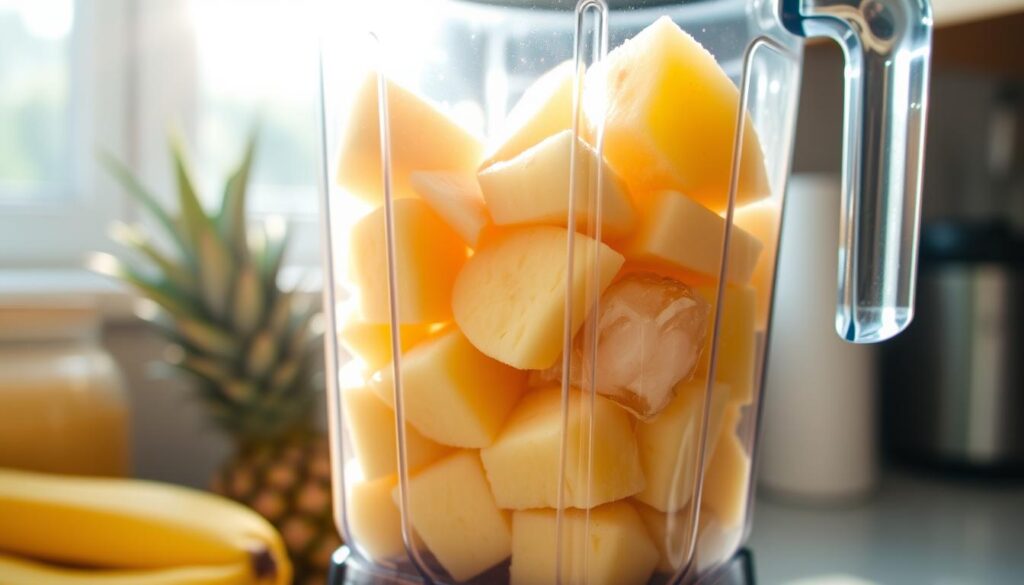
<point x="250" y="345"/>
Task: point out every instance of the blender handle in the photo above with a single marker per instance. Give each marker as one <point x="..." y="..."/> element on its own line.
<point x="887" y="45"/>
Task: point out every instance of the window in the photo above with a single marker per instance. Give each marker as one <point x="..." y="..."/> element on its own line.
<point x="260" y="70"/>
<point x="77" y="76"/>
<point x="62" y="72"/>
<point x="35" y="112"/>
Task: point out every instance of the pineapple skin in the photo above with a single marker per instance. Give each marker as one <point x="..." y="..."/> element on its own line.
<point x="288" y="482"/>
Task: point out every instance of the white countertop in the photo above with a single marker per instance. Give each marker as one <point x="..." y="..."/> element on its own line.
<point x="915" y="530"/>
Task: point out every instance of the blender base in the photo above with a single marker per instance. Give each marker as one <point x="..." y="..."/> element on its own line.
<point x="349" y="569"/>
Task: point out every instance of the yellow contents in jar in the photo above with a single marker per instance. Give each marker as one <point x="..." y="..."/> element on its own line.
<point x="62" y="411"/>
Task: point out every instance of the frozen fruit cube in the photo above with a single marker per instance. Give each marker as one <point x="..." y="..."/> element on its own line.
<point x="650" y="332"/>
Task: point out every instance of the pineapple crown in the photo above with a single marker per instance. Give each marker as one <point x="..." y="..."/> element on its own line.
<point x="213" y="293"/>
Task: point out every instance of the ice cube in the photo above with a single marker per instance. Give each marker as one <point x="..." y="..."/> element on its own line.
<point x="650" y="332"/>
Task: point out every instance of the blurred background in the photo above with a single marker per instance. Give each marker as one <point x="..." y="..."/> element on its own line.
<point x="79" y="78"/>
<point x="880" y="465"/>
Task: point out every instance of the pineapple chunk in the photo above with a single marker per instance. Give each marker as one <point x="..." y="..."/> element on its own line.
<point x="669" y="445"/>
<point x="371" y="342"/>
<point x="374" y="521"/>
<point x="453" y="512"/>
<point x="670" y="118"/>
<point x="428" y="256"/>
<point x="371" y="426"/>
<point x="510" y="297"/>
<point x="457" y="199"/>
<point x="716" y="543"/>
<point x="762" y="219"/>
<point x="728" y="474"/>
<point x="523" y="463"/>
<point x="544" y="109"/>
<point x="411" y="119"/>
<point x="671" y="533"/>
<point x="533" y="188"/>
<point x="613" y="550"/>
<point x="677" y="230"/>
<point x="737" y="345"/>
<point x="454" y="394"/>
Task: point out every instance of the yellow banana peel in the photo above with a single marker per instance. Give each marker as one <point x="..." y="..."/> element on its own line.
<point x="124" y="525"/>
<point x="15" y="571"/>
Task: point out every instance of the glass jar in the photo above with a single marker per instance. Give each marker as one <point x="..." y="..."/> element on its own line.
<point x="63" y="406"/>
<point x="551" y="232"/>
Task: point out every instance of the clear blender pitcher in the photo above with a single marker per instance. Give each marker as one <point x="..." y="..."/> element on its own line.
<point x="550" y="235"/>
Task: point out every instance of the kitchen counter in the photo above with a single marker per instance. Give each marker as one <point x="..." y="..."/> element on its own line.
<point x="914" y="530"/>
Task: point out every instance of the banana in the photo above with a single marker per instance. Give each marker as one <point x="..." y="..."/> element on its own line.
<point x="134" y="525"/>
<point x="15" y="571"/>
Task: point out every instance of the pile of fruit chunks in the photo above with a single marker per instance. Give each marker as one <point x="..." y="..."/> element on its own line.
<point x="482" y="281"/>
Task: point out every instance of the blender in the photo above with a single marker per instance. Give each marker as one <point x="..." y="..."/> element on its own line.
<point x="550" y="232"/>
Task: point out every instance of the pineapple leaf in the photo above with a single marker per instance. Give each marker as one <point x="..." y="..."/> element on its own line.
<point x="214" y="259"/>
<point x="134" y="188"/>
<point x="212" y="394"/>
<point x="231" y="219"/>
<point x="194" y="220"/>
<point x="159" y="290"/>
<point x="240" y="390"/>
<point x="208" y="338"/>
<point x="281" y="313"/>
<point x="247" y="342"/>
<point x="247" y="309"/>
<point x="276" y="234"/>
<point x="285" y="376"/>
<point x="133" y="237"/>
<point x="215" y="273"/>
<point x="210" y="369"/>
<point x="303" y="330"/>
<point x="262" y="355"/>
<point x="158" y="318"/>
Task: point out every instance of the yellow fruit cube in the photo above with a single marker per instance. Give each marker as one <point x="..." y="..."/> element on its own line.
<point x="371" y="342"/>
<point x="613" y="550"/>
<point x="728" y="475"/>
<point x="452" y="393"/>
<point x="453" y="511"/>
<point x="737" y="344"/>
<point x="371" y="427"/>
<point x="533" y="188"/>
<point x="678" y="231"/>
<point x="374" y="521"/>
<point x="523" y="464"/>
<point x="510" y="297"/>
<point x="457" y="199"/>
<point x="762" y="220"/>
<point x="669" y="445"/>
<point x="716" y="543"/>
<point x="671" y="534"/>
<point x="411" y="119"/>
<point x="670" y="117"/>
<point x="428" y="256"/>
<point x="544" y="109"/>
